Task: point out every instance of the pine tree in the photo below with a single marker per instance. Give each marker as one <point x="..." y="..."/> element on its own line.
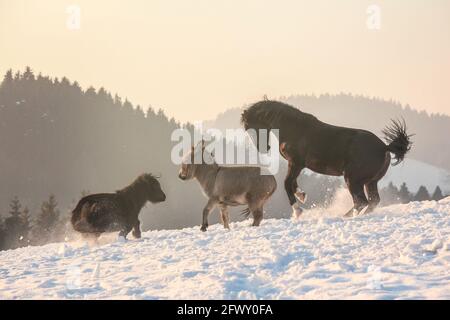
<point x="422" y="194"/>
<point x="7" y="80"/>
<point x="404" y="194"/>
<point x="390" y="194"/>
<point x="45" y="229"/>
<point x="28" y="74"/>
<point x="437" y="194"/>
<point x="14" y="207"/>
<point x="16" y="226"/>
<point x="26" y="227"/>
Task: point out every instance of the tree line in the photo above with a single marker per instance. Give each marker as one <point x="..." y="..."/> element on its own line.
<point x="19" y="229"/>
<point x="392" y="195"/>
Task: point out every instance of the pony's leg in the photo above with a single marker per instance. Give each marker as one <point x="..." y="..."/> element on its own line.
<point x="206" y="211"/>
<point x="359" y="198"/>
<point x="290" y="186"/>
<point x="137" y="229"/>
<point x="91" y="237"/>
<point x="224" y="216"/>
<point x="125" y="231"/>
<point x="374" y="197"/>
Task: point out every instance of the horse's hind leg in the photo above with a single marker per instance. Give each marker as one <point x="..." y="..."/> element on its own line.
<point x="225" y="217"/>
<point x="359" y="198"/>
<point x="374" y="197"/>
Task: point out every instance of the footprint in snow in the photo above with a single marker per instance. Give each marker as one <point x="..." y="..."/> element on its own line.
<point x="49" y="283"/>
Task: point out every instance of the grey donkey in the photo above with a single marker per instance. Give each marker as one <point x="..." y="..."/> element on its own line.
<point x="227" y="186"/>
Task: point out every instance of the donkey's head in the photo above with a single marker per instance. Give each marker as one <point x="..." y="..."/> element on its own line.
<point x="195" y="159"/>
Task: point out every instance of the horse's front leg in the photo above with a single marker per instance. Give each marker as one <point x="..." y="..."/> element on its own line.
<point x="290" y="185"/>
<point x="206" y="211"/>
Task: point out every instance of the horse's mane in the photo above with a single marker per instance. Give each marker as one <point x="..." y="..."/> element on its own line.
<point x="272" y="112"/>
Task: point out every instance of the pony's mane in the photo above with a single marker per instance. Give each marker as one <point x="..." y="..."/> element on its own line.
<point x="273" y="112"/>
<point x="140" y="181"/>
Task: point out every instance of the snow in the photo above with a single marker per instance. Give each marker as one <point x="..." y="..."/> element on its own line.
<point x="397" y="252"/>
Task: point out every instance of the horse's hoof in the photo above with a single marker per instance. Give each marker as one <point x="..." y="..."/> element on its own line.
<point x="351" y="213"/>
<point x="121" y="239"/>
<point x="203" y="228"/>
<point x="301" y="196"/>
<point x="296" y="211"/>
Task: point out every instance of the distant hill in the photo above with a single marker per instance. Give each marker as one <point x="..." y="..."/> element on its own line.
<point x="432" y="132"/>
<point x="415" y="174"/>
<point x="56" y="138"/>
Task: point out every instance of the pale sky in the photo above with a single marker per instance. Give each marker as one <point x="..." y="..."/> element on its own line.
<point x="196" y="58"/>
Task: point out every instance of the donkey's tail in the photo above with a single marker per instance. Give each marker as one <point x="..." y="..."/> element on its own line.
<point x="245" y="212"/>
<point x="399" y="142"/>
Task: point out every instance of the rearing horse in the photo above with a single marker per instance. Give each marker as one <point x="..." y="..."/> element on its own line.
<point x="306" y="142"/>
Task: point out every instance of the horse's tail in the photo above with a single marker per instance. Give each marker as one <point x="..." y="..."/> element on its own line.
<point x="245" y="212"/>
<point x="399" y="142"/>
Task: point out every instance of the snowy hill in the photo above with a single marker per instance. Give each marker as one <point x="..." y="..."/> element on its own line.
<point x="398" y="252"/>
<point x="417" y="173"/>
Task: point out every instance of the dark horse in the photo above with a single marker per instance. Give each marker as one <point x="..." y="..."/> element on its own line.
<point x="108" y="212"/>
<point x="306" y="142"/>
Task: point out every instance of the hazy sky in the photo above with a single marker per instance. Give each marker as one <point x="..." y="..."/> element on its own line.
<point x="196" y="58"/>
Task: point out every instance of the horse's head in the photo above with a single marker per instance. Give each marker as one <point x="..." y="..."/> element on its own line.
<point x="196" y="157"/>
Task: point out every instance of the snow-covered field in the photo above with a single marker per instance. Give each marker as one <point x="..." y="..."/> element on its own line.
<point x="398" y="252"/>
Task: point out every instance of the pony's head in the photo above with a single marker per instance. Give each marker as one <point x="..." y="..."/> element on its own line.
<point x="189" y="163"/>
<point x="151" y="187"/>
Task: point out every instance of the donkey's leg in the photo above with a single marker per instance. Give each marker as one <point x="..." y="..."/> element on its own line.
<point x="290" y="185"/>
<point x="374" y="197"/>
<point x="359" y="198"/>
<point x="257" y="216"/>
<point x="206" y="211"/>
<point x="224" y="216"/>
